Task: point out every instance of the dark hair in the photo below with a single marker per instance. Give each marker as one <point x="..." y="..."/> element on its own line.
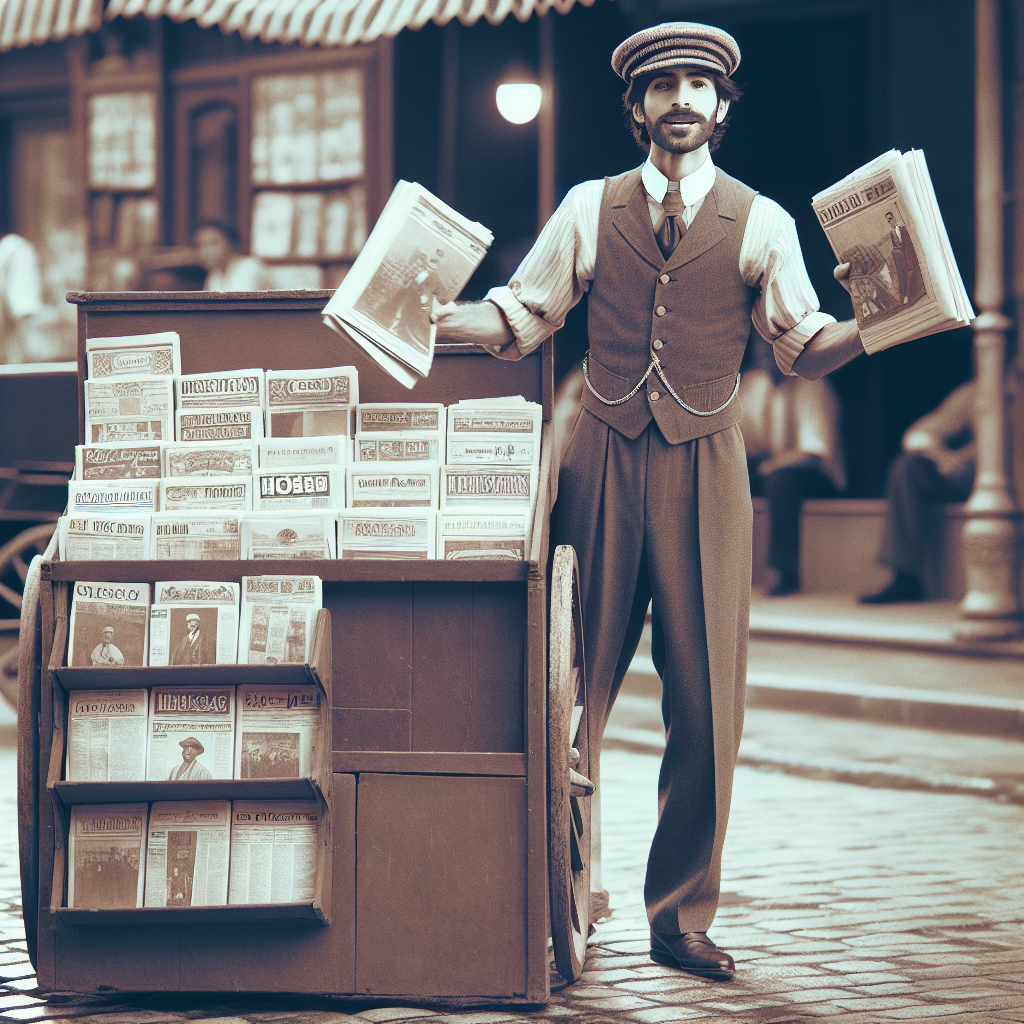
<point x="725" y="89"/>
<point x="227" y="230"/>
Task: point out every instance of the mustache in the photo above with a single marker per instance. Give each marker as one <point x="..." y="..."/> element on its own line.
<point x="682" y="117"/>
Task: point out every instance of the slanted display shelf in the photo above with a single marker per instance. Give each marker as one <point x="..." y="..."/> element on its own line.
<point x="65" y="795"/>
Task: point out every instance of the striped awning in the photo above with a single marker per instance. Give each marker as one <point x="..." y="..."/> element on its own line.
<point x="310" y="22"/>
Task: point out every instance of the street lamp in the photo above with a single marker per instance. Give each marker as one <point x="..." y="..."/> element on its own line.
<point x="519" y="102"/>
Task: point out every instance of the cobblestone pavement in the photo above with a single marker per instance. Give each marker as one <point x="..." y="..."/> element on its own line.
<point x="875" y="905"/>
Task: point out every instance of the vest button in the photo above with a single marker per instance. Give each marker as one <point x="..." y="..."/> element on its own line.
<point x="664" y="279"/>
<point x="658" y="343"/>
<point x="661" y="311"/>
<point x="655" y="395"/>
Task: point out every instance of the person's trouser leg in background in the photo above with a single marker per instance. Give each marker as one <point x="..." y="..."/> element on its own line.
<point x="785" y="491"/>
<point x="913" y="483"/>
<point x="673" y="521"/>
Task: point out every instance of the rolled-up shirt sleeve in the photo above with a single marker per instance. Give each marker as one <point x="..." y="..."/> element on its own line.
<point x="555" y="273"/>
<point x="786" y="310"/>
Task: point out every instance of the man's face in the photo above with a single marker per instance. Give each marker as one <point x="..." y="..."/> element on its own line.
<point x="214" y="248"/>
<point x="108" y="635"/>
<point x="193" y="626"/>
<point x="681" y="110"/>
<point x="189" y="753"/>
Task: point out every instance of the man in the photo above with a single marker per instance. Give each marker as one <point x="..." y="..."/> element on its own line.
<point x="21" y="297"/>
<point x="790" y="430"/>
<point x="195" y="647"/>
<point x="936" y="464"/>
<point x="226" y="270"/>
<point x="105" y="653"/>
<point x="903" y="256"/>
<point x="190" y="770"/>
<point x="653" y="491"/>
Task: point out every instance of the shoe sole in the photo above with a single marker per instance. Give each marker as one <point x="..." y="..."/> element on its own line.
<point x="668" y="960"/>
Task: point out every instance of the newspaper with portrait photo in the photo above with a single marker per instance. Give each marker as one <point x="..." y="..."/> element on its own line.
<point x="187" y="852"/>
<point x="108" y="625"/>
<point x="277" y="730"/>
<point x="191" y="733"/>
<point x="107" y="856"/>
<point x="193" y="622"/>
<point x="884" y="220"/>
<point x="107" y="735"/>
<point x="419" y="250"/>
<point x="274" y="848"/>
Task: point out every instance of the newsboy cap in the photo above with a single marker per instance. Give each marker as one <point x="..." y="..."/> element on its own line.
<point x="191" y="741"/>
<point x="675" y="44"/>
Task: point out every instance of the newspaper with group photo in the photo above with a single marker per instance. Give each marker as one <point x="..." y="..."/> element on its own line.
<point x="193" y="622"/>
<point x="187" y="853"/>
<point x="191" y="733"/>
<point x="884" y="220"/>
<point x="105" y="536"/>
<point x="277" y="729"/>
<point x="419" y="250"/>
<point x="107" y="735"/>
<point x="150" y="354"/>
<point x="107" y="856"/>
<point x="274" y="846"/>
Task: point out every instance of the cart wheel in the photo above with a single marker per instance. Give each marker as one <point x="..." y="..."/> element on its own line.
<point x="569" y="785"/>
<point x="15" y="556"/>
<point x="29" y="665"/>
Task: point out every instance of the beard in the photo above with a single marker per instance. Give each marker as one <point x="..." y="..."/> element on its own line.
<point x="662" y="136"/>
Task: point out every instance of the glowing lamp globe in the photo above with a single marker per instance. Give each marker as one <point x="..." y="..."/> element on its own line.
<point x="518" y="102"/>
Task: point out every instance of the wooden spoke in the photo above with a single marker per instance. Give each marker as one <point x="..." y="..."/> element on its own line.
<point x="568" y="772"/>
<point x="14" y="561"/>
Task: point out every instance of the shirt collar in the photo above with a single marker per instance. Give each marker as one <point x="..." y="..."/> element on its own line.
<point x="692" y="188"/>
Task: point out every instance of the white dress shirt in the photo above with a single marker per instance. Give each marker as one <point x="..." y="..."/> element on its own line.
<point x="560" y="266"/>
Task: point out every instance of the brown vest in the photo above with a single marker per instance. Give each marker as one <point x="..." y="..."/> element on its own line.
<point x="692" y="310"/>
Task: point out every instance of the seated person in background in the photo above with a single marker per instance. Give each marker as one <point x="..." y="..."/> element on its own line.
<point x="790" y="429"/>
<point x="936" y="464"/>
<point x="226" y="269"/>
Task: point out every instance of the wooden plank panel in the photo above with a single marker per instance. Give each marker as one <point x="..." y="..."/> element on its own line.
<point x="372" y="634"/>
<point x="371" y="729"/>
<point x="285" y="956"/>
<point x="142" y="958"/>
<point x="442" y="692"/>
<point x="499" y="666"/>
<point x="441" y="883"/>
<point x="423" y="763"/>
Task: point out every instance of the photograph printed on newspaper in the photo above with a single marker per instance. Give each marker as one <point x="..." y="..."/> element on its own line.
<point x="107" y="856"/>
<point x="109" y="625"/>
<point x="187" y="853"/>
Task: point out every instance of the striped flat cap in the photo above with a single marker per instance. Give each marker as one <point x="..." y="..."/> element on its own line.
<point x="675" y="44"/>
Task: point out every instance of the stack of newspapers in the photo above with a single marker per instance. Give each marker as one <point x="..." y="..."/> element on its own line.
<point x="228" y="465"/>
<point x="194" y="622"/>
<point x="419" y="251"/>
<point x="193" y="853"/>
<point x="884" y="220"/>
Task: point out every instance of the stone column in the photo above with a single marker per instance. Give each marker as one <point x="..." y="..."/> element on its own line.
<point x="991" y="608"/>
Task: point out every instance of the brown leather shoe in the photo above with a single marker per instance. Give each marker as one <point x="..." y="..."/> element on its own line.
<point x="693" y="952"/>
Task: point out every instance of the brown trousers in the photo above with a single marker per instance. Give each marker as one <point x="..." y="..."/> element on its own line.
<point x="668" y="525"/>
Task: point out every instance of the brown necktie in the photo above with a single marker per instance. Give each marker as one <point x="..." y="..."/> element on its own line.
<point x="672" y="226"/>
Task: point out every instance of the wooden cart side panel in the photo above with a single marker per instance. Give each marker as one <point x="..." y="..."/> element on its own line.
<point x="441" y="886"/>
<point x="538" y="911"/>
<point x="286" y="956"/>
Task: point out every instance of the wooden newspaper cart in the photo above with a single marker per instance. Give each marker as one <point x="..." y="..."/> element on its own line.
<point x="458" y="842"/>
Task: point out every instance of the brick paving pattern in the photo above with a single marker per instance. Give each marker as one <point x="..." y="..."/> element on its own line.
<point x="871" y="905"/>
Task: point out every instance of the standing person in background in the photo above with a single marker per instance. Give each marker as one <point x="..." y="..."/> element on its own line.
<point x="21" y="297"/>
<point x="226" y="269"/>
<point x="935" y="465"/>
<point x="790" y="429"/>
<point x="679" y="259"/>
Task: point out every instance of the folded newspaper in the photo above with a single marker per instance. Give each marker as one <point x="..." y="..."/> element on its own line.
<point x="884" y="220"/>
<point x="420" y="249"/>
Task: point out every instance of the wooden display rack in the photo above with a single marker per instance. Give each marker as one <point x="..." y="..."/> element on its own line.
<point x="453" y="826"/>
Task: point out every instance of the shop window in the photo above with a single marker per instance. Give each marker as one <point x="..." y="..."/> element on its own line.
<point x="213" y="165"/>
